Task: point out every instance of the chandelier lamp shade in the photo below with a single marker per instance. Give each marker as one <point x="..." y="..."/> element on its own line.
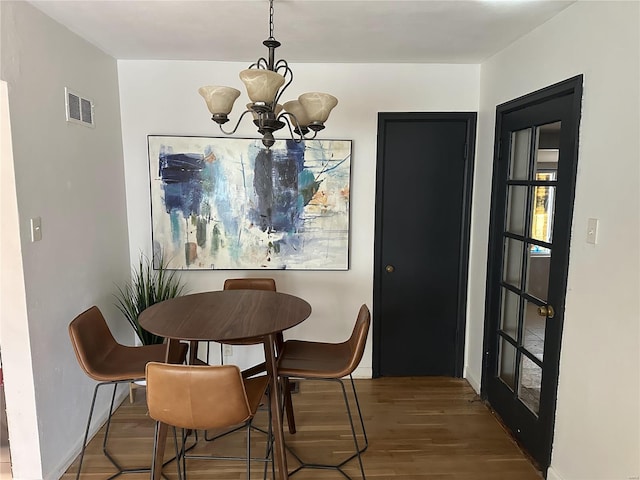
<point x="265" y="82"/>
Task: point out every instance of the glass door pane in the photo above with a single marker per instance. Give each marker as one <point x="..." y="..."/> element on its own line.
<point x="528" y="237"/>
<point x="538" y="273"/>
<point x="516" y="213"/>
<point x="534" y="330"/>
<point x="507" y="366"/>
<point x="529" y="384"/>
<point x="510" y="313"/>
<point x="542" y="220"/>
<point x="520" y="154"/>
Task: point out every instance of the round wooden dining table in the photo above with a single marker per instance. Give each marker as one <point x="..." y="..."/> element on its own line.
<point x="227" y="316"/>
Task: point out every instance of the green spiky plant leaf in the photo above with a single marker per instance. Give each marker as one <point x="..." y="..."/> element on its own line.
<point x="147" y="287"/>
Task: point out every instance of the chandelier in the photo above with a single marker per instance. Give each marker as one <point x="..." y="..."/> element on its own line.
<point x="265" y="81"/>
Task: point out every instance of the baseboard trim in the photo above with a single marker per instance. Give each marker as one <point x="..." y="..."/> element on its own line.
<point x="552" y="474"/>
<point x="363" y="372"/>
<point x="473" y="381"/>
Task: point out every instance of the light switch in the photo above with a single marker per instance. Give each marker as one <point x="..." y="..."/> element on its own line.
<point x="36" y="229"/>
<point x="592" y="231"/>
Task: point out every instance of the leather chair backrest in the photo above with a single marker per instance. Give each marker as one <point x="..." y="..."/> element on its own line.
<point x="92" y="341"/>
<point x="196" y="397"/>
<point x="358" y="339"/>
<point x="250" y="284"/>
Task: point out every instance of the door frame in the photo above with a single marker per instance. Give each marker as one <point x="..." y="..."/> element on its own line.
<point x="471" y="121"/>
<point x="573" y="87"/>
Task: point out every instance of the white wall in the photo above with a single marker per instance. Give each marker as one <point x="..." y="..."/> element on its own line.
<point x="73" y="178"/>
<point x="597" y="423"/>
<point x="160" y="97"/>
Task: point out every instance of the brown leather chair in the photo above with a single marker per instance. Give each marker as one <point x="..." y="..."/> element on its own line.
<point x="250" y="284"/>
<point x="110" y="363"/>
<point x="196" y="397"/>
<point x="330" y="361"/>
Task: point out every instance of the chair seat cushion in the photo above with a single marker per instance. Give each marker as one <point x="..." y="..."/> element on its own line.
<point x="304" y="359"/>
<point x="125" y="363"/>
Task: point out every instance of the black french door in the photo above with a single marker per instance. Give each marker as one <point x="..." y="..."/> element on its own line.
<point x="532" y="207"/>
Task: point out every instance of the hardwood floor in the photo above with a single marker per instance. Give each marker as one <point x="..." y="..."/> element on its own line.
<point x="425" y="428"/>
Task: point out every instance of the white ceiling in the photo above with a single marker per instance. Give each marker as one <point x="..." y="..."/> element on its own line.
<point x="365" y="31"/>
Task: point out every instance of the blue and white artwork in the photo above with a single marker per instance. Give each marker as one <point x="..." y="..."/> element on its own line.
<point x="230" y="203"/>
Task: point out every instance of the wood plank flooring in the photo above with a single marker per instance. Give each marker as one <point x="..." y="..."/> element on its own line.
<point x="426" y="428"/>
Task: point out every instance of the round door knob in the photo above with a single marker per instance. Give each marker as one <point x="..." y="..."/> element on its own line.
<point x="389" y="268"/>
<point x="546" y="311"/>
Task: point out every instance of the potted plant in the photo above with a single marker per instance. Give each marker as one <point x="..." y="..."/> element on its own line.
<point x="148" y="286"/>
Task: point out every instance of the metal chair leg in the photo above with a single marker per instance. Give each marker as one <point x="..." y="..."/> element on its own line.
<point x="105" y="451"/>
<point x="364" y="431"/>
<point x="155" y="449"/>
<point x="106" y="435"/>
<point x="86" y="432"/>
<point x="106" y="432"/>
<point x="358" y="449"/>
<point x="353" y="432"/>
<point x="182" y="454"/>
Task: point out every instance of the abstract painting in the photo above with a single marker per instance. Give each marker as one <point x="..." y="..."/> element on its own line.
<point x="231" y="203"/>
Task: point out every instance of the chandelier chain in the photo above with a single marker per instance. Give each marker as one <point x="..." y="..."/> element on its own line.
<point x="271" y="37"/>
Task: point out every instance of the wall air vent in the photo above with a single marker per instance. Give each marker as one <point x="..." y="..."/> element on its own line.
<point x="79" y="109"/>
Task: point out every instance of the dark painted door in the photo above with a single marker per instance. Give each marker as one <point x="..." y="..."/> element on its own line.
<point x="422" y="223"/>
<point x="532" y="205"/>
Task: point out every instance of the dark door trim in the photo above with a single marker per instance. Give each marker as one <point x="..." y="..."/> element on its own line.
<point x="471" y="119"/>
<point x="570" y="87"/>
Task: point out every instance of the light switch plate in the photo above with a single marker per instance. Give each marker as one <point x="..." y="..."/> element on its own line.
<point x="36" y="229"/>
<point x="592" y="231"/>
